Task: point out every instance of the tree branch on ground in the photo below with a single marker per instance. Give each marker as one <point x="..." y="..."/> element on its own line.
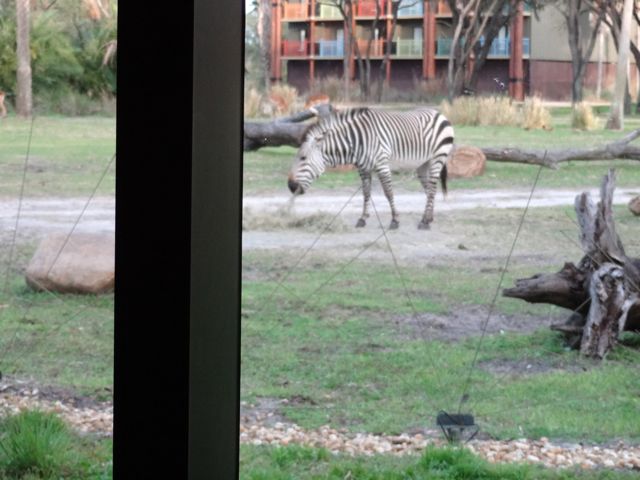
<point x="602" y="289"/>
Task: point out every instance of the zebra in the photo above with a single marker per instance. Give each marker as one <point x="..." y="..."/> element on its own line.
<point x="372" y="140"/>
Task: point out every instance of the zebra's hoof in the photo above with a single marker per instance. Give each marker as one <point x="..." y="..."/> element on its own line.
<point x="424" y="226"/>
<point x="393" y="225"/>
<point x="361" y="223"/>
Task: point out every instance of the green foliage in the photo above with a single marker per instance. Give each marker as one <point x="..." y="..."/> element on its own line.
<point x="444" y="463"/>
<point x="38" y="445"/>
<point x="34" y="442"/>
<point x="69" y="58"/>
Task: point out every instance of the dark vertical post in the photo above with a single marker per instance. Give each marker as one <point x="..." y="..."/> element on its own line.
<point x="215" y="241"/>
<point x="153" y="205"/>
<point x="178" y="242"/>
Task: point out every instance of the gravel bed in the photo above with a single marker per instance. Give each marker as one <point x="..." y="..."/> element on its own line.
<point x="266" y="428"/>
<point x="262" y="430"/>
<point x="82" y="414"/>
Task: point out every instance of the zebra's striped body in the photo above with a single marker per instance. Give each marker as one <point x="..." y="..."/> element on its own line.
<point x="373" y="140"/>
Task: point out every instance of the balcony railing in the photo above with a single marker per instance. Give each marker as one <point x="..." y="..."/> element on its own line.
<point x="500" y="47"/>
<point x="377" y="48"/>
<point x="367" y="8"/>
<point x="443" y="46"/>
<point x="408" y="48"/>
<point x="410" y="11"/>
<point x="330" y="48"/>
<point x="296" y="10"/>
<point x="328" y="12"/>
<point x="295" y="48"/>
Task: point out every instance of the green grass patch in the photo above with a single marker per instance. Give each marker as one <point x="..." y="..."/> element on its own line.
<point x="350" y="351"/>
<point x="37" y="445"/>
<point x="56" y="339"/>
<point x="284" y="463"/>
<point x="67" y="156"/>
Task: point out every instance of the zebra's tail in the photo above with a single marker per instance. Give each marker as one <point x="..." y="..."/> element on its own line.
<point x="443" y="180"/>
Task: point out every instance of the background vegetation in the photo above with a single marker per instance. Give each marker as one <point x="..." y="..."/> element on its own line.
<point x="73" y="73"/>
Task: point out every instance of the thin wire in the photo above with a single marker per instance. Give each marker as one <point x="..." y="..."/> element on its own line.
<point x="18" y="213"/>
<point x="9" y="345"/>
<point x="416" y="316"/>
<point x="304" y="254"/>
<point x="464" y="396"/>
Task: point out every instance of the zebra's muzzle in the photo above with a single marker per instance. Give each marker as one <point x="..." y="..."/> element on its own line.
<point x="295" y="187"/>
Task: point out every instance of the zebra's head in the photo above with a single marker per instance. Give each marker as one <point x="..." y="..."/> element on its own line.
<point x="308" y="165"/>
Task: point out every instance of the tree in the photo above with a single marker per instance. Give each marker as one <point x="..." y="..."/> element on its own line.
<point x="616" y="116"/>
<point x="264" y="38"/>
<point x="582" y="39"/>
<point x="476" y="24"/>
<point x="24" y="95"/>
<point x="363" y="58"/>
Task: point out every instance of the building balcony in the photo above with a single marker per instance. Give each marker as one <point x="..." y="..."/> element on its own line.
<point x="413" y="10"/>
<point x="500" y="47"/>
<point x="330" y="48"/>
<point x="408" y="48"/>
<point x="295" y="48"/>
<point x="329" y="12"/>
<point x="367" y="8"/>
<point x="296" y="11"/>
<point x="443" y="46"/>
<point x="377" y="48"/>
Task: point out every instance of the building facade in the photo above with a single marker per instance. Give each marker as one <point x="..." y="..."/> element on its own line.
<point x="530" y="56"/>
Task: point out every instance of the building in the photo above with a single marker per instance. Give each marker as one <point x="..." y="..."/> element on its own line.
<point x="530" y="56"/>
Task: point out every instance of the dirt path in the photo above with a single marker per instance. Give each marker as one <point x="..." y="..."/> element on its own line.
<point x="39" y="215"/>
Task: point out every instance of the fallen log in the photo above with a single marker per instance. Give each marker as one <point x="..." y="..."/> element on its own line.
<point x="620" y="149"/>
<point x="602" y="290"/>
<point x="291" y="131"/>
<point x="282" y="131"/>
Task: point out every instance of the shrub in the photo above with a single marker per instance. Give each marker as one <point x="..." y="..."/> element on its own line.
<point x="497" y="111"/>
<point x="333" y="86"/>
<point x="582" y="117"/>
<point x="285" y="99"/>
<point x="535" y="115"/>
<point x="34" y="442"/>
<point x="462" y="111"/>
<point x="252" y="103"/>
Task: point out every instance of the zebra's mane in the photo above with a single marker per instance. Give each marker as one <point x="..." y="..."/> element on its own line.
<point x="337" y="119"/>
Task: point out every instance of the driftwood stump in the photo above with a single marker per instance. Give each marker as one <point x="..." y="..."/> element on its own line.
<point x="602" y="290"/>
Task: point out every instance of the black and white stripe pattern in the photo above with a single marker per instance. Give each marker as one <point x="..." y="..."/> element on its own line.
<point x="373" y="140"/>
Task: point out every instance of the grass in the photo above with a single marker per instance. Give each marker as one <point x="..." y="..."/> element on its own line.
<point x="265" y="463"/>
<point x="353" y="357"/>
<point x="67" y="156"/>
<point x="39" y="446"/>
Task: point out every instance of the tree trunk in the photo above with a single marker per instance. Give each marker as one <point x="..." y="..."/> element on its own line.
<point x="24" y="99"/>
<point x="616" y="117"/>
<point x="602" y="290"/>
<point x="264" y="37"/>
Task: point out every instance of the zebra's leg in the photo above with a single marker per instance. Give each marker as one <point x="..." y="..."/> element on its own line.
<point x="366" y="192"/>
<point x="384" y="174"/>
<point x="428" y="174"/>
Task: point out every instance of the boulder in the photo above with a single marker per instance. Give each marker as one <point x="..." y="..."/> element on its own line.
<point x="634" y="205"/>
<point x="84" y="264"/>
<point x="466" y="161"/>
